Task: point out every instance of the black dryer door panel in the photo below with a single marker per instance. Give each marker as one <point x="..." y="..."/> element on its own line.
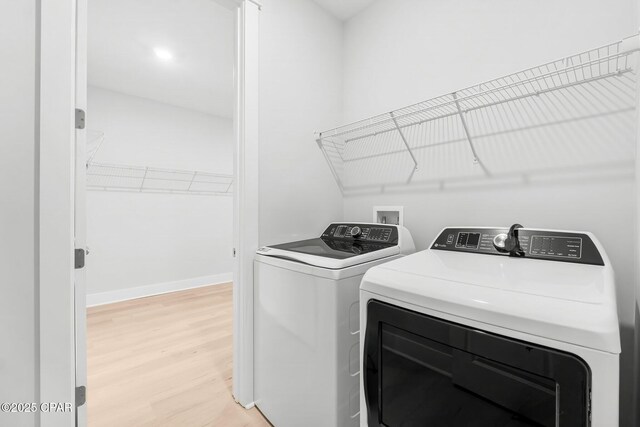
<point x="424" y="371"/>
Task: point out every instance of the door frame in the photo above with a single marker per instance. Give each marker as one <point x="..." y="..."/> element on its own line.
<point x="80" y="209"/>
<point x="57" y="37"/>
<point x="55" y="337"/>
<point x="246" y="191"/>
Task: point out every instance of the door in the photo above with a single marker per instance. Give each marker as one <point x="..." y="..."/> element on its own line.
<point x="79" y="226"/>
<point x="420" y="370"/>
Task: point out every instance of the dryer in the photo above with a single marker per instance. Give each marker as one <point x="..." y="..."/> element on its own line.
<point x="306" y="322"/>
<point x="492" y="327"/>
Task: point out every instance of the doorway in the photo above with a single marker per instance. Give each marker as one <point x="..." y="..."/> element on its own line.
<point x="159" y="207"/>
<point x="159" y="147"/>
<point x="55" y="74"/>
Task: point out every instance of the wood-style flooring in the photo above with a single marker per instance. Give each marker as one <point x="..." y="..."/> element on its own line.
<point x="164" y="361"/>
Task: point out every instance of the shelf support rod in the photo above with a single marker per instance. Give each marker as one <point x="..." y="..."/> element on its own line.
<point x="144" y="178"/>
<point x="406" y="144"/>
<point x="476" y="159"/>
<point x="192" y="179"/>
<point x="326" y="157"/>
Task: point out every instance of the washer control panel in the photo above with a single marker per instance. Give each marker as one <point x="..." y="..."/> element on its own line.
<point x="538" y="244"/>
<point x="365" y="232"/>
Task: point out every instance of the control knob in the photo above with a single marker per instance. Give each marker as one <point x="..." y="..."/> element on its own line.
<point x="509" y="242"/>
<point x="499" y="242"/>
<point x="356" y="232"/>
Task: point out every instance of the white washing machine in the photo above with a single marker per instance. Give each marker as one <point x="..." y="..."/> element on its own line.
<point x="492" y="327"/>
<point x="306" y="322"/>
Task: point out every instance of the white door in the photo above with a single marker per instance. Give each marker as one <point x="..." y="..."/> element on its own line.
<point x="80" y="229"/>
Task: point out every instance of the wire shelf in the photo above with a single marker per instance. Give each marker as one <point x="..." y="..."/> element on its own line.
<point x="114" y="177"/>
<point x="518" y="121"/>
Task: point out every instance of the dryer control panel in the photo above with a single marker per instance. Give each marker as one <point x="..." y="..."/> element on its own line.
<point x="365" y="232"/>
<point x="538" y="244"/>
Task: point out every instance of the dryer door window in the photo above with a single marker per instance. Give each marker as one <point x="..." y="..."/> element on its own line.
<point x="422" y="371"/>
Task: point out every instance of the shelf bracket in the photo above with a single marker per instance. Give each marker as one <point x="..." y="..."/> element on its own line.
<point x="144" y="178"/>
<point x="320" y="143"/>
<point x="476" y="159"/>
<point x="193" y="178"/>
<point x="406" y="144"/>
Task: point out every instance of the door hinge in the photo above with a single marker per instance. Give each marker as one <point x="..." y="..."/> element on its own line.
<point x="80" y="118"/>
<point x="79" y="258"/>
<point x="234" y="252"/>
<point x="81" y="396"/>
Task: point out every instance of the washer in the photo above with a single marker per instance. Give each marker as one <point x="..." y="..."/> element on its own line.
<point x="306" y="322"/>
<point x="492" y="327"/>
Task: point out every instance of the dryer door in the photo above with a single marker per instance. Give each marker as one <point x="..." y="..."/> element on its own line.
<point x="423" y="371"/>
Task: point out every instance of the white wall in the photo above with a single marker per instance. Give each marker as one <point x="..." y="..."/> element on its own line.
<point x="18" y="282"/>
<point x="139" y="239"/>
<point x="401" y="52"/>
<point x="142" y="132"/>
<point x="405" y="51"/>
<point x="300" y="92"/>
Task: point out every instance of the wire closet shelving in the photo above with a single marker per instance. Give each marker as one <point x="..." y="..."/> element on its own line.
<point x="141" y="179"/>
<point x="115" y="177"/>
<point x="463" y="133"/>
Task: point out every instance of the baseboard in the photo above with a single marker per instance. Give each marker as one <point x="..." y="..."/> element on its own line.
<point x="109" y="297"/>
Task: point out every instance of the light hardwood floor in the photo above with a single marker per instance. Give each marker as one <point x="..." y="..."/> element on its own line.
<point x="164" y="361"/>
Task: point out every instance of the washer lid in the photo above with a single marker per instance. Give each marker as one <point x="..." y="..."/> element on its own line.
<point x="573" y="303"/>
<point x="328" y="253"/>
<point x="344" y="245"/>
<point x="330" y="248"/>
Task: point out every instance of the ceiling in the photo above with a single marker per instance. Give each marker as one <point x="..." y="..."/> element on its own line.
<point x="344" y="9"/>
<point x="199" y="34"/>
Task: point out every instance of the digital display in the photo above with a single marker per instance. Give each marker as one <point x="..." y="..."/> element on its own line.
<point x="473" y="240"/>
<point x="340" y="231"/>
<point x="468" y="240"/>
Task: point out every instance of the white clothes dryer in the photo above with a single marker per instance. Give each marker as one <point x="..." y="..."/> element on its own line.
<point x="492" y="327"/>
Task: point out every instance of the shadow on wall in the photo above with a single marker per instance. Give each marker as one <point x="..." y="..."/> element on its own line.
<point x="636" y="364"/>
<point x="628" y="385"/>
<point x="636" y="396"/>
<point x="556" y="122"/>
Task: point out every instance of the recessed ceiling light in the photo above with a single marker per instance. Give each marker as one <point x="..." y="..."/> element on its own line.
<point x="163" y="54"/>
